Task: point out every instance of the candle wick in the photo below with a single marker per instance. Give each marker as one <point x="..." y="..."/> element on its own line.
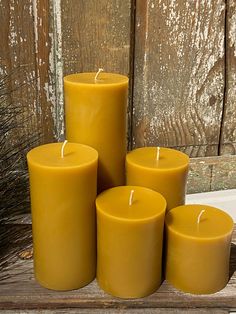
<point x="98" y="72"/>
<point x="62" y="148"/>
<point x="158" y="153"/>
<point x="199" y="216"/>
<point x="131" y="197"/>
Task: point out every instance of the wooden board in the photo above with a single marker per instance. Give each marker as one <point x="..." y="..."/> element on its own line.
<point x="175" y="49"/>
<point x="211" y="174"/>
<point x="17" y="59"/>
<point x="179" y="75"/>
<point x="95" y="34"/>
<point x="120" y="311"/>
<point x="44" y="72"/>
<point x="18" y="289"/>
<point x="26" y="66"/>
<point x="228" y="136"/>
<point x="26" y="50"/>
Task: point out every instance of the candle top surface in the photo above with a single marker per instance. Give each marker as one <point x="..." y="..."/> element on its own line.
<point x="74" y="155"/>
<point x="212" y="223"/>
<point x="102" y="79"/>
<point x="146" y="203"/>
<point x="146" y="157"/>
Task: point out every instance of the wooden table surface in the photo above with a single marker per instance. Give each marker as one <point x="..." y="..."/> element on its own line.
<point x="20" y="293"/>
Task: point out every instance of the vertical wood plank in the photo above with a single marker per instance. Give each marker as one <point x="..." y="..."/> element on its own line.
<point x="27" y="59"/>
<point x="27" y="47"/>
<point x="96" y="34"/>
<point x="179" y="75"/>
<point x="47" y="33"/>
<point x="27" y="51"/>
<point x="55" y="85"/>
<point x="18" y="62"/>
<point x="228" y="138"/>
<point x="45" y="97"/>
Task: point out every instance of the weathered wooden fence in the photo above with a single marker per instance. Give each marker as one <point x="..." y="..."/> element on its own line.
<point x="180" y="57"/>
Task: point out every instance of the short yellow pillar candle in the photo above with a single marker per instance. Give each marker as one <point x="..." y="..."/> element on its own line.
<point x="95" y="114"/>
<point x="130" y="222"/>
<point x="63" y="183"/>
<point x="162" y="169"/>
<point x="198" y="248"/>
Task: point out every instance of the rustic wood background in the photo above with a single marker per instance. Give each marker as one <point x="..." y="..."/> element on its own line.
<point x="180" y="57"/>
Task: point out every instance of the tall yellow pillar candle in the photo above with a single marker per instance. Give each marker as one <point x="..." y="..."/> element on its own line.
<point x="162" y="169"/>
<point x="95" y="114"/>
<point x="63" y="182"/>
<point x="130" y="222"/>
<point x="198" y="248"/>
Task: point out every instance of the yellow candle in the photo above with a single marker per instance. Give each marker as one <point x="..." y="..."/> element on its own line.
<point x="130" y="223"/>
<point x="95" y="114"/>
<point x="164" y="170"/>
<point x="198" y="248"/>
<point x="63" y="183"/>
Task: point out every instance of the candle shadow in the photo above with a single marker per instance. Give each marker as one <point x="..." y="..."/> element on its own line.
<point x="164" y="249"/>
<point x="232" y="261"/>
<point x="68" y="154"/>
<point x="203" y="219"/>
<point x="105" y="180"/>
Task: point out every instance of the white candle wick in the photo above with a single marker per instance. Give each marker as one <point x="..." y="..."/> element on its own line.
<point x="98" y="72"/>
<point x="158" y="153"/>
<point x="131" y="197"/>
<point x="62" y="148"/>
<point x="200" y="216"/>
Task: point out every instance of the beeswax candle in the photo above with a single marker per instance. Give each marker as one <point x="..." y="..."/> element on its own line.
<point x="198" y="248"/>
<point x="63" y="182"/>
<point x="161" y="169"/>
<point x="130" y="223"/>
<point x="95" y="114"/>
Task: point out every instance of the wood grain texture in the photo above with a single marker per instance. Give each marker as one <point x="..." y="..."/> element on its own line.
<point x="228" y="138"/>
<point x="27" y="59"/>
<point x="96" y="34"/>
<point x="119" y="311"/>
<point x="54" y="87"/>
<point x="18" y="289"/>
<point x="179" y="75"/>
<point x="211" y="174"/>
<point x="26" y="50"/>
<point x="17" y="59"/>
<point x="45" y="97"/>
